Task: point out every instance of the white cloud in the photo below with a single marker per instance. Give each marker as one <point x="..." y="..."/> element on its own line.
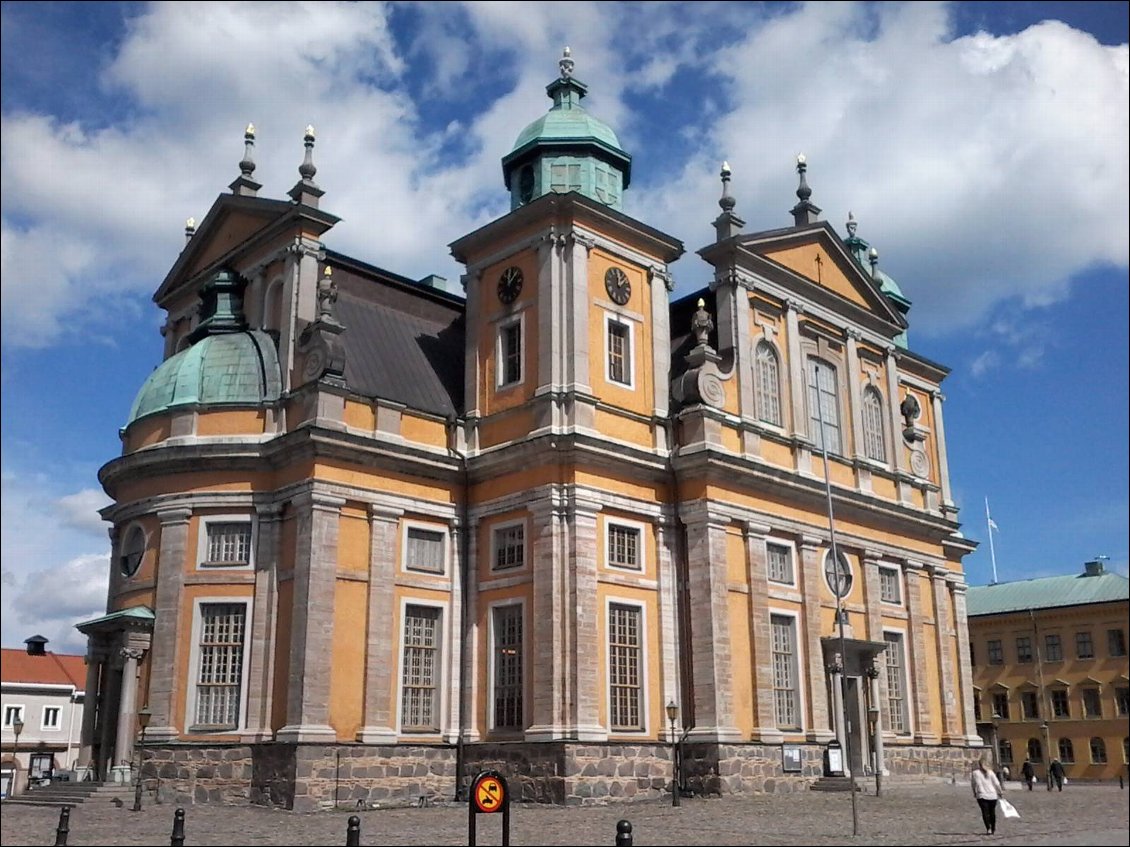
<point x="52" y="601"/>
<point x="80" y="510"/>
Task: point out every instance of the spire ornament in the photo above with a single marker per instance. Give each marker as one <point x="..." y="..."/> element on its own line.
<point x="804" y="212"/>
<point x="189" y="229"/>
<point x="873" y="258"/>
<point x="852" y="225"/>
<point x="727" y="224"/>
<point x="565" y="63"/>
<point x="245" y="184"/>
<point x="306" y="192"/>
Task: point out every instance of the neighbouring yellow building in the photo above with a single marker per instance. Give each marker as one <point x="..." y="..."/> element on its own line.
<point x="371" y="536"/>
<point x="1051" y="677"/>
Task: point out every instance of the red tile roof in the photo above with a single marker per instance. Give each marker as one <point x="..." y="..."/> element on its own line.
<point x="49" y="669"/>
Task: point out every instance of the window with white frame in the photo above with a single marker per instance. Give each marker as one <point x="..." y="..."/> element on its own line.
<point x="419" y="703"/>
<point x="12" y="713"/>
<point x="507" y="633"/>
<point x="786" y="694"/>
<point x="874" y="446"/>
<point x="509" y="546"/>
<point x="618" y="337"/>
<point x="896" y="682"/>
<point x="890" y="585"/>
<point x="132" y="552"/>
<point x="222" y="631"/>
<point x="780" y="563"/>
<point x="510" y="352"/>
<point x="625" y="545"/>
<point x="51" y="716"/>
<point x="823" y="405"/>
<point x="625" y="667"/>
<point x="226" y="541"/>
<point x="767" y="383"/>
<point x="1000" y="705"/>
<point x="424" y="549"/>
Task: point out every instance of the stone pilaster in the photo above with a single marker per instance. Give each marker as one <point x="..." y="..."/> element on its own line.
<point x="812" y="580"/>
<point x="710" y="627"/>
<point x="380" y="644"/>
<point x="660" y="283"/>
<point x="264" y="623"/>
<point x="916" y="607"/>
<point x="798" y="404"/>
<point x="855" y="394"/>
<point x="948" y="507"/>
<point x="164" y="675"/>
<point x="312" y="619"/>
<point x="945" y="644"/>
<point x="450" y="728"/>
<point x="761" y="630"/>
<point x="583" y="642"/>
<point x="666" y="540"/>
<point x="964" y="664"/>
<point x="547" y="660"/>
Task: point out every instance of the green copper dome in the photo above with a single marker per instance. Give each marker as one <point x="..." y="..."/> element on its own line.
<point x="232" y="369"/>
<point x="861" y="250"/>
<point x="567" y="149"/>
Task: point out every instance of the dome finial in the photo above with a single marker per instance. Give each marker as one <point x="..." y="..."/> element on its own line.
<point x="726" y="201"/>
<point x="566" y="64"/>
<point x="803" y="191"/>
<point x="245" y="183"/>
<point x="804" y="212"/>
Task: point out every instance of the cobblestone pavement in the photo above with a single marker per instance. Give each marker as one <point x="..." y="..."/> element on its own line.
<point x="904" y="815"/>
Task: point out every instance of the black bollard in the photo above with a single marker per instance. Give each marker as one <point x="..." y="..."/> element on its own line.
<point x="177" y="839"/>
<point x="64" y="827"/>
<point x="624" y="834"/>
<point x="353" y="832"/>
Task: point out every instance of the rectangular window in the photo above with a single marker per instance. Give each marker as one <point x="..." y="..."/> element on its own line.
<point x="219" y="679"/>
<point x="780" y="563"/>
<point x="1084" y="646"/>
<point x="229" y="543"/>
<point x="51" y="717"/>
<point x="624" y="667"/>
<point x="1053" y="648"/>
<point x="419" y="710"/>
<point x="619" y="338"/>
<point x="976" y="708"/>
<point x="1092" y="703"/>
<point x="1030" y="704"/>
<point x="996" y="654"/>
<point x="786" y="695"/>
<point x="1023" y="649"/>
<point x="1116" y="642"/>
<point x="508" y="667"/>
<point x="509" y="547"/>
<point x="624" y="546"/>
<point x="823" y="406"/>
<point x="1000" y="706"/>
<point x="1122" y="700"/>
<point x="12" y="714"/>
<point x="890" y="589"/>
<point x="424" y="550"/>
<point x="510" y="353"/>
<point x="1060" y="706"/>
<point x="896" y="683"/>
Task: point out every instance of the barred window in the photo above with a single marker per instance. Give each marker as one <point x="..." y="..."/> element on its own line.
<point x="1023" y="650"/>
<point x="780" y="563"/>
<point x="873" y="445"/>
<point x="619" y="352"/>
<point x="1053" y="648"/>
<point x="786" y="697"/>
<point x="1061" y="708"/>
<point x="896" y="683"/>
<point x="767" y="383"/>
<point x="624" y="546"/>
<point x="508" y="667"/>
<point x="890" y="587"/>
<point x="624" y="667"/>
<point x="425" y="550"/>
<point x="1066" y="751"/>
<point x="1000" y="705"/>
<point x="220" y="657"/>
<point x="509" y="547"/>
<point x="419" y="710"/>
<point x="229" y="543"/>
<point x="824" y="406"/>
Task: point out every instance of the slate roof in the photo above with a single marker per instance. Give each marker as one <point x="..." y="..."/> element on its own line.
<point x="1047" y="592"/>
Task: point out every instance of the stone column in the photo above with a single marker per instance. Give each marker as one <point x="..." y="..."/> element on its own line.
<point x="547" y="642"/>
<point x="95" y="661"/>
<point x="710" y="626"/>
<point x="453" y="652"/>
<point x="855" y="394"/>
<point x="835" y="680"/>
<point x="916" y="608"/>
<point x="127" y="712"/>
<point x="947" y="680"/>
<point x="380" y="643"/>
<point x="798" y="403"/>
<point x="668" y="613"/>
<point x="583" y="638"/>
<point x="761" y="631"/>
<point x="812" y="587"/>
<point x="877" y="704"/>
<point x="948" y="507"/>
<point x="312" y="619"/>
<point x="264" y="623"/>
<point x="964" y="664"/>
<point x="164" y="677"/>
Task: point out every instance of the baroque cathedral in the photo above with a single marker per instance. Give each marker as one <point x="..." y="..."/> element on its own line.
<point x="371" y="537"/>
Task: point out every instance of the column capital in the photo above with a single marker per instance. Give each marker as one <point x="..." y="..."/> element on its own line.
<point x="175" y="515"/>
<point x="662" y="274"/>
<point x="269" y="511"/>
<point x="318" y="500"/>
<point x="383" y="512"/>
<point x="756" y="529"/>
<point x="134" y="653"/>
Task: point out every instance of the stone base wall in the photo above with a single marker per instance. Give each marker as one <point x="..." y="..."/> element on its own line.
<point x="310" y="777"/>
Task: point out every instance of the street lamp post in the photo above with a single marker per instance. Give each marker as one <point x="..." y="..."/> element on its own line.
<point x="143" y="717"/>
<point x="672" y="716"/>
<point x="17" y="728"/>
<point x="996" y="741"/>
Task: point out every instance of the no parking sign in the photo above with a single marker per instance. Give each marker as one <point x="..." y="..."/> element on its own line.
<point x="489" y="795"/>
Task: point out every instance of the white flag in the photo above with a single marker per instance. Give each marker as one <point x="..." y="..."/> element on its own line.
<point x="993" y="525"/>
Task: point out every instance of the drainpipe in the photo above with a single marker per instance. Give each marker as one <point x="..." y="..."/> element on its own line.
<point x="465" y="577"/>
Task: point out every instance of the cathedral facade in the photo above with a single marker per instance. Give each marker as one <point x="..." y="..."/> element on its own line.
<point x="370" y="536"/>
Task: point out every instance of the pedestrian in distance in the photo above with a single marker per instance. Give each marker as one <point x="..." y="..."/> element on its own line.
<point x="1029" y="774"/>
<point x="987" y="790"/>
<point x="1057" y="774"/>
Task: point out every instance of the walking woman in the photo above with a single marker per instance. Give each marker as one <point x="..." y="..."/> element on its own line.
<point x="987" y="789"/>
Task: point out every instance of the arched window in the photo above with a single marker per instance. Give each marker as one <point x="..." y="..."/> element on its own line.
<point x="1098" y="751"/>
<point x="1066" y="750"/>
<point x="1035" y="750"/>
<point x="133" y="549"/>
<point x="272" y="316"/>
<point x="824" y="405"/>
<point x="873" y="444"/>
<point x="767" y="383"/>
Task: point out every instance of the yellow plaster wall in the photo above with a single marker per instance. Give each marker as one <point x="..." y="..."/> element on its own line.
<point x="151" y="558"/>
<point x="360" y="415"/>
<point x="339" y="471"/>
<point x="639" y="397"/>
<point x="741" y="661"/>
<point x="519" y="480"/>
<point x="147" y="432"/>
<point x="491" y="399"/>
<point x="778" y="454"/>
<point x="348" y="663"/>
<point x="826" y="272"/>
<point x="353" y="541"/>
<point x="736" y="571"/>
<point x="231" y="422"/>
<point x="236" y="229"/>
<point x="627" y="487"/>
<point x="423" y="430"/>
<point x="509" y="427"/>
<point x="617" y="426"/>
<point x="190" y="483"/>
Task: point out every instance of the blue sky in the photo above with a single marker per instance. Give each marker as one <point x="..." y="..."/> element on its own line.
<point x="983" y="148"/>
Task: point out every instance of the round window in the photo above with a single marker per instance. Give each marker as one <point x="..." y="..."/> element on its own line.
<point x="838" y="578"/>
<point x="132" y="551"/>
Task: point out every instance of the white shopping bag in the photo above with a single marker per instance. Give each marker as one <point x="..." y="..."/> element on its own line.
<point x="1007" y="809"/>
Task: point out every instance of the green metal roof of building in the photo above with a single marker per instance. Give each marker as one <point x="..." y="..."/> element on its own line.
<point x="1047" y="592"/>
<point x="567" y="124"/>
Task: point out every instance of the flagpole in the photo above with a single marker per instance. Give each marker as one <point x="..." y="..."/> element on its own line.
<point x="992" y="551"/>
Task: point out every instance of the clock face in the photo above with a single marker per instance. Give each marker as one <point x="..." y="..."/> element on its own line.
<point x="617" y="285"/>
<point x="509" y="285"/>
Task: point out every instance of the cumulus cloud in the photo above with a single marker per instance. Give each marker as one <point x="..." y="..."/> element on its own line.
<point x="53" y="600"/>
<point x="80" y="510"/>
